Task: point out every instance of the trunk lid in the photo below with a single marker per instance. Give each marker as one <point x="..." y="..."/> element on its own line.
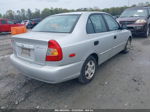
<point x="33" y="46"/>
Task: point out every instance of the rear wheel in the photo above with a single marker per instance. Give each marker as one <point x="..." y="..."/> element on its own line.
<point x="88" y="70"/>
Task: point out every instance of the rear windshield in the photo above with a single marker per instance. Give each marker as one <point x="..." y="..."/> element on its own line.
<point x="134" y="13"/>
<point x="57" y="24"/>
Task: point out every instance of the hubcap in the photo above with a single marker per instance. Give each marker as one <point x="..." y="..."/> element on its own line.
<point x="90" y="69"/>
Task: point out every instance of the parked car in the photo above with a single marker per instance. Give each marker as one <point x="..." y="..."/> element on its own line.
<point x="33" y="22"/>
<point x="17" y="21"/>
<point x="25" y="22"/>
<point x="68" y="46"/>
<point x="6" y="24"/>
<point x="137" y="20"/>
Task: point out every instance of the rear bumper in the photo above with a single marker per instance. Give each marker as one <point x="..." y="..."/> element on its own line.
<point x="47" y="73"/>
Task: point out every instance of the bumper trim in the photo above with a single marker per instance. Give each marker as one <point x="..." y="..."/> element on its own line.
<point x="47" y="74"/>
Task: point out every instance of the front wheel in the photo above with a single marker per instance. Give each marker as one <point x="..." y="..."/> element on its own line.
<point x="147" y="32"/>
<point x="88" y="70"/>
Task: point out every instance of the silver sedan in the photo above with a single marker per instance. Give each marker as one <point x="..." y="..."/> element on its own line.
<point x="68" y="46"/>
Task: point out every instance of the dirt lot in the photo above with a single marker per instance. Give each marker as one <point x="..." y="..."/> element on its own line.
<point x="122" y="82"/>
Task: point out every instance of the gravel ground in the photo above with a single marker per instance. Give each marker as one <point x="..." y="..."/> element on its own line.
<point x="120" y="83"/>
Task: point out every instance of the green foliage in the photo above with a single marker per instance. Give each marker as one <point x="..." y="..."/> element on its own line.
<point x="28" y="14"/>
<point x="36" y="14"/>
<point x="9" y="14"/>
<point x="0" y="15"/>
<point x="46" y="12"/>
<point x="115" y="10"/>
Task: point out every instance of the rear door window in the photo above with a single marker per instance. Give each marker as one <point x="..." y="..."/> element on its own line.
<point x="89" y="27"/>
<point x="96" y="24"/>
<point x="3" y="22"/>
<point x="111" y="22"/>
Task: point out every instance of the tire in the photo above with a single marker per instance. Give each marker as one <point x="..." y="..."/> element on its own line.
<point x="127" y="47"/>
<point x="88" y="70"/>
<point x="147" y="32"/>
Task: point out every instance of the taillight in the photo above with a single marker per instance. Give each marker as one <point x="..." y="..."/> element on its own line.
<point x="54" y="51"/>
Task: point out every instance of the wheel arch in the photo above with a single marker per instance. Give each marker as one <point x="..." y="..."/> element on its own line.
<point x="95" y="56"/>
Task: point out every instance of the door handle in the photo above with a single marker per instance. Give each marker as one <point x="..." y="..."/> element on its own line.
<point x="115" y="37"/>
<point x="96" y="43"/>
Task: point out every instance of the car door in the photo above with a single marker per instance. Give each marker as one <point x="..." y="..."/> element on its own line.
<point x="4" y="26"/>
<point x="99" y="35"/>
<point x="119" y="35"/>
<point x="10" y="24"/>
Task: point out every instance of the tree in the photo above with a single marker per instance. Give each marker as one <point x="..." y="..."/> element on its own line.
<point x="46" y="12"/>
<point x="10" y="14"/>
<point x="36" y="14"/>
<point x="18" y="15"/>
<point x="29" y="14"/>
<point x="23" y="14"/>
<point x="0" y="15"/>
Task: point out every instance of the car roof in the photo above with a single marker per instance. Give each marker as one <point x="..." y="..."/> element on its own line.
<point x="82" y="12"/>
<point x="140" y="7"/>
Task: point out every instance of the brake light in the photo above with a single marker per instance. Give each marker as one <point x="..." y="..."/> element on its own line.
<point x="54" y="51"/>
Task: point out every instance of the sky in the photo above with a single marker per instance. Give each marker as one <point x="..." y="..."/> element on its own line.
<point x="69" y="4"/>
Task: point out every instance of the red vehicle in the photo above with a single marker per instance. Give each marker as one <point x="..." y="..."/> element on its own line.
<point x="6" y="24"/>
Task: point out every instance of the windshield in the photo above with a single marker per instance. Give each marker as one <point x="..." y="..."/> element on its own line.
<point x="134" y="13"/>
<point x="57" y="24"/>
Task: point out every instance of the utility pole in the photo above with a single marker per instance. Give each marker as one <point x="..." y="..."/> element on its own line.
<point x="128" y="3"/>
